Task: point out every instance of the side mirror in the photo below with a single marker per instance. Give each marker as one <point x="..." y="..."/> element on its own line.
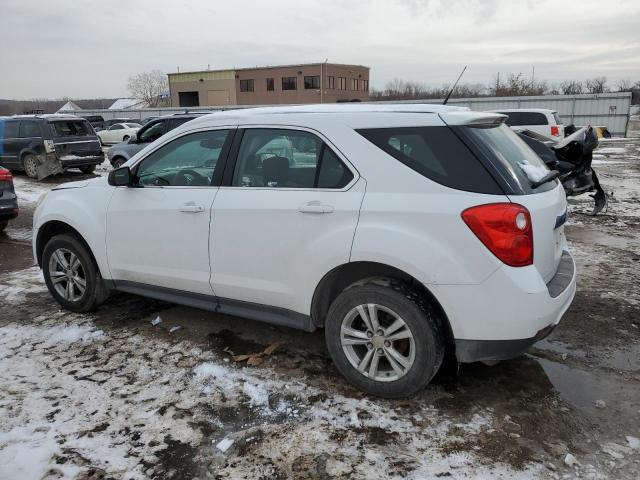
<point x="120" y="177"/>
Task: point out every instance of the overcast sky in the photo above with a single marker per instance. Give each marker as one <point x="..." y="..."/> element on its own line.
<point x="87" y="49"/>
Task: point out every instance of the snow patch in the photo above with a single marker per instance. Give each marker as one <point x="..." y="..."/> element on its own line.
<point x="534" y="173"/>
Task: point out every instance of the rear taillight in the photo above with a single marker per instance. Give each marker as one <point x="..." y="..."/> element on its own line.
<point x="5" y="175"/>
<point x="555" y="131"/>
<point x="505" y="229"/>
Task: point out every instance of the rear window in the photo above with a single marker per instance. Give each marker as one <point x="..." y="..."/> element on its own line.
<point x="71" y="128"/>
<point x="436" y="153"/>
<point x="525" y="118"/>
<point x="520" y="165"/>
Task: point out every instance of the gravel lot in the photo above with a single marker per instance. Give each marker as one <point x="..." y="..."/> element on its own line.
<point x="109" y="395"/>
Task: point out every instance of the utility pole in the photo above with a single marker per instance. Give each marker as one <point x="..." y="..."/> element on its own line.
<point x="322" y="79"/>
<point x="533" y="75"/>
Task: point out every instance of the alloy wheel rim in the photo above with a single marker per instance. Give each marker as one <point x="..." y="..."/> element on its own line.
<point x="31" y="167"/>
<point x="377" y="342"/>
<point x="67" y="275"/>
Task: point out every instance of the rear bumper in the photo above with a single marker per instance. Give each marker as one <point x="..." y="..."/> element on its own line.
<point x="502" y="317"/>
<point x="8" y="206"/>
<point x="77" y="161"/>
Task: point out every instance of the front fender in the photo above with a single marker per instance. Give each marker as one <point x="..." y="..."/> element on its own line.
<point x="84" y="210"/>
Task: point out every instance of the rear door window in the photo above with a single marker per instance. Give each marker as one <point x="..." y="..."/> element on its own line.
<point x="152" y="131"/>
<point x="8" y="128"/>
<point x="435" y="153"/>
<point x="30" y="129"/>
<point x="283" y="158"/>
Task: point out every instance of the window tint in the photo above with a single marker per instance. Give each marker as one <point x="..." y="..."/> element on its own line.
<point x="504" y="147"/>
<point x="246" y="85"/>
<point x="152" y="131"/>
<point x="8" y="128"/>
<point x="65" y="128"/>
<point x="436" y="153"/>
<point x="29" y="129"/>
<point x="176" y="122"/>
<point x="187" y="161"/>
<point x="312" y="83"/>
<point x="525" y="118"/>
<point x="287" y="159"/>
<point x="289" y="83"/>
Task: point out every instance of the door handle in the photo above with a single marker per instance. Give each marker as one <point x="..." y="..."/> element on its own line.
<point x="315" y="207"/>
<point x="191" y="208"/>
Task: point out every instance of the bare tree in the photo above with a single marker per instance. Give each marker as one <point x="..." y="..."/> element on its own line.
<point x="149" y="86"/>
<point x="596" y="85"/>
<point x="571" y="87"/>
<point x="624" y="85"/>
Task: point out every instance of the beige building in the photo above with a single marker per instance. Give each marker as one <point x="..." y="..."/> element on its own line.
<point x="306" y="83"/>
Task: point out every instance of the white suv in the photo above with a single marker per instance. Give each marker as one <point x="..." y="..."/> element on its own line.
<point x="540" y="120"/>
<point x="403" y="230"/>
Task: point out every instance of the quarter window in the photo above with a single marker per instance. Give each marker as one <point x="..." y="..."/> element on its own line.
<point x="279" y="158"/>
<point x="188" y="161"/>
<point x="312" y="83"/>
<point x="29" y="129"/>
<point x="246" y="85"/>
<point x="289" y="83"/>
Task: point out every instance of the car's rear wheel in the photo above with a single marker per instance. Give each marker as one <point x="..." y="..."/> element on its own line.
<point x="383" y="340"/>
<point x="30" y="164"/>
<point x="71" y="274"/>
<point x="88" y="169"/>
<point x="118" y="162"/>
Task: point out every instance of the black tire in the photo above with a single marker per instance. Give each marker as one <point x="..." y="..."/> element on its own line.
<point x="95" y="291"/>
<point x="125" y="138"/>
<point x="3" y="224"/>
<point x="118" y="162"/>
<point x="30" y="165"/>
<point x="88" y="169"/>
<point x="417" y="316"/>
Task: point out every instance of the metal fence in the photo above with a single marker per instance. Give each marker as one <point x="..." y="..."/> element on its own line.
<point x="603" y="109"/>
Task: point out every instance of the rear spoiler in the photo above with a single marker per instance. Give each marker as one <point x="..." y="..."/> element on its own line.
<point x="472" y="118"/>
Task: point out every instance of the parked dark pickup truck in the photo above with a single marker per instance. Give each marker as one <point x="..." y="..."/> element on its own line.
<point x="43" y="145"/>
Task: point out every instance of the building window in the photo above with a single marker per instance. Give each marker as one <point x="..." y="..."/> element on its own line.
<point x="354" y="84"/>
<point x="365" y="85"/>
<point x="246" y="85"/>
<point x="312" y="83"/>
<point x="331" y="82"/>
<point x="342" y="83"/>
<point x="289" y="83"/>
<point x="270" y="85"/>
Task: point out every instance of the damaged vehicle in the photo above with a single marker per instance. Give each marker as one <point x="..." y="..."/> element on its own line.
<point x="571" y="157"/>
<point x="43" y="145"/>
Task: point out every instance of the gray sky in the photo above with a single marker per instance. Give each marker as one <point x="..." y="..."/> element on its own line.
<point x="85" y="49"/>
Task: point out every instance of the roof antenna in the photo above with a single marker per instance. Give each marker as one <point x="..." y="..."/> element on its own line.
<point x="454" y="86"/>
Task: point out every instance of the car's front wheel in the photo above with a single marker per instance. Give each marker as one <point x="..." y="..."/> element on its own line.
<point x="71" y="274"/>
<point x="383" y="339"/>
<point x="125" y="138"/>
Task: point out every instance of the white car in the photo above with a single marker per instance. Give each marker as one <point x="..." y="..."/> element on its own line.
<point x="118" y="132"/>
<point x="402" y="230"/>
<point x="540" y="120"/>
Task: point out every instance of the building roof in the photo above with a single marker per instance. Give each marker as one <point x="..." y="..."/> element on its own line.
<point x="264" y="67"/>
<point x="123" y="103"/>
<point x="69" y="106"/>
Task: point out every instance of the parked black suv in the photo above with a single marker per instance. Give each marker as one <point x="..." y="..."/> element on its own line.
<point x="43" y="145"/>
<point x="120" y="153"/>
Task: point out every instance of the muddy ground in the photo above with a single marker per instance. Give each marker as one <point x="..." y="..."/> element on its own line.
<point x="109" y="395"/>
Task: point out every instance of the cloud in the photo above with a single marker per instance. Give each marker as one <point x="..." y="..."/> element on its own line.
<point x="53" y="48"/>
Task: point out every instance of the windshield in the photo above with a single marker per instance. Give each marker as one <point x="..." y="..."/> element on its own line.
<point x="503" y="146"/>
<point x="71" y="128"/>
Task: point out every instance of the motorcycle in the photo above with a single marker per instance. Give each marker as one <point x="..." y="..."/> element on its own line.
<point x="571" y="157"/>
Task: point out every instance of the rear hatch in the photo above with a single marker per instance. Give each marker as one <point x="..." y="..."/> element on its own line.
<point x="517" y="167"/>
<point x="74" y="138"/>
